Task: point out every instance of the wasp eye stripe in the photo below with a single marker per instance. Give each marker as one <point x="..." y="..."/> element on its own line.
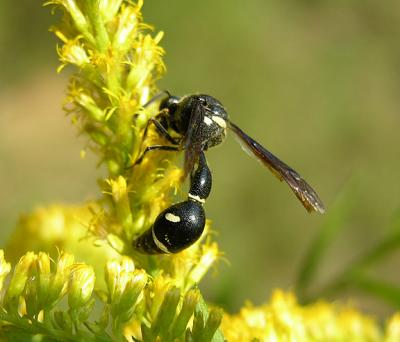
<point x="219" y="121"/>
<point x="207" y="121"/>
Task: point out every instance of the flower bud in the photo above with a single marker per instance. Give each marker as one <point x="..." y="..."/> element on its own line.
<point x="156" y="294"/>
<point x="114" y="275"/>
<point x="87" y="102"/>
<point x="147" y="58"/>
<point x="77" y="16"/>
<point x="212" y="324"/>
<point x="209" y="255"/>
<point x="81" y="285"/>
<point x="60" y="278"/>
<point x="125" y="286"/>
<point x="131" y="296"/>
<point x="108" y="8"/>
<point x="21" y="273"/>
<point x="73" y="53"/>
<point x="393" y="329"/>
<point x="43" y="279"/>
<point x="5" y="268"/>
<point x="189" y="304"/>
<point x="119" y="193"/>
<point x="167" y="311"/>
<point x="125" y="35"/>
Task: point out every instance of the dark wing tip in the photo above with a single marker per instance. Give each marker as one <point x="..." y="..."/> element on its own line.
<point x="312" y="203"/>
<point x="305" y="193"/>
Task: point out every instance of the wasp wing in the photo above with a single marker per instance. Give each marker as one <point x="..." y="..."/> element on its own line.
<point x="303" y="191"/>
<point x="194" y="140"/>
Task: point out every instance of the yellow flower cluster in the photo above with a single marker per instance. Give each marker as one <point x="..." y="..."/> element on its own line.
<point x="133" y="297"/>
<point x="36" y="285"/>
<point x="118" y="61"/>
<point x="283" y="319"/>
<point x="141" y="307"/>
<point x="67" y="228"/>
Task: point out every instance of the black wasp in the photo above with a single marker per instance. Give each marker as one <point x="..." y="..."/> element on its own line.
<point x="201" y="122"/>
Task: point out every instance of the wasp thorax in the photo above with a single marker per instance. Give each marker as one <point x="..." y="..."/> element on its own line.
<point x="214" y="121"/>
<point x="202" y="113"/>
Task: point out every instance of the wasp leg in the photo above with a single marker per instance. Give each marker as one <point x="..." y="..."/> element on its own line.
<point x="161" y="130"/>
<point x="155" y="148"/>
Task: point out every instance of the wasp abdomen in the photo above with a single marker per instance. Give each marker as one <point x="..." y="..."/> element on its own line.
<point x="182" y="224"/>
<point x="175" y="229"/>
<point x="200" y="181"/>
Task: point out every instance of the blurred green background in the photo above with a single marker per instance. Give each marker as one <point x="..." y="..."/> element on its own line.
<point x="316" y="81"/>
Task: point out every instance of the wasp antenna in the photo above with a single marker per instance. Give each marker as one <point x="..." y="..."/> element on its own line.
<point x="160" y="95"/>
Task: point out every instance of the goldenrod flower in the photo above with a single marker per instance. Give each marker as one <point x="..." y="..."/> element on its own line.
<point x="20" y="276"/>
<point x="59" y="279"/>
<point x="393" y="329"/>
<point x="44" y="278"/>
<point x="283" y="319"/>
<point x="125" y="284"/>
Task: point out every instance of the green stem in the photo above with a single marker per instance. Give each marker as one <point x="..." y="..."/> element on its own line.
<point x="34" y="327"/>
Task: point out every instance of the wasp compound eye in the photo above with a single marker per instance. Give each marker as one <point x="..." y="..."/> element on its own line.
<point x="170" y="103"/>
